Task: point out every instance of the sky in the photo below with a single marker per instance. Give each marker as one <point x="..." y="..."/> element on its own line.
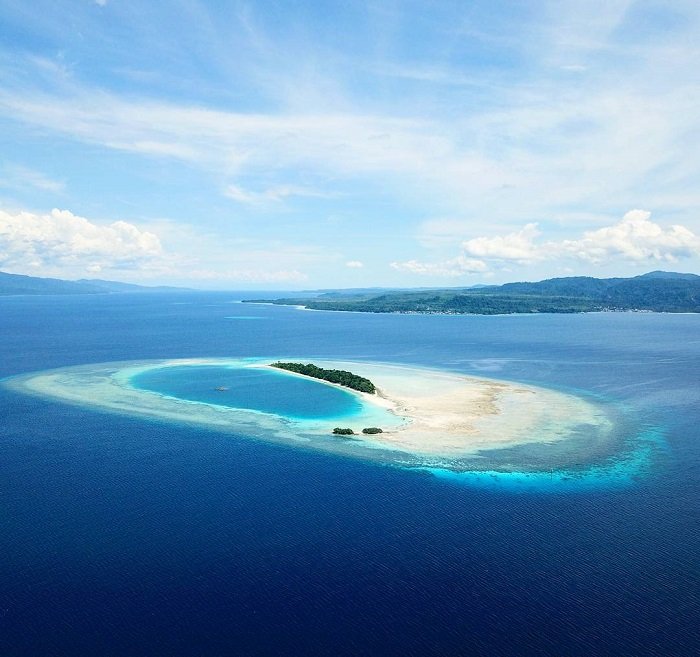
<point x="303" y="144"/>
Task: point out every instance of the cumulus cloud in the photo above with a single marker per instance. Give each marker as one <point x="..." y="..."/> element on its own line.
<point x="449" y="268"/>
<point x="518" y="246"/>
<point x="634" y="238"/>
<point x="65" y="240"/>
<point x="354" y="264"/>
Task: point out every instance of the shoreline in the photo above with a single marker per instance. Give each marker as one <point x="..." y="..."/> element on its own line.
<point x="462" y="415"/>
<point x="440" y="313"/>
<point x="426" y="415"/>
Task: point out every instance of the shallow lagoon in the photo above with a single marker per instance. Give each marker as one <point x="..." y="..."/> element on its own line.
<point x="256" y="389"/>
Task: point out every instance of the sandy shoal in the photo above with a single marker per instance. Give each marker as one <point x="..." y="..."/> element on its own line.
<point x="423" y="412"/>
<point x="453" y="415"/>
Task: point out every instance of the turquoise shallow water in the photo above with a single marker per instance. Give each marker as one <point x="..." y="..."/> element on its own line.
<point x="242" y="397"/>
<point x="254" y="389"/>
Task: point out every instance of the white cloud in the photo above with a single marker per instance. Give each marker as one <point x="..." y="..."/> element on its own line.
<point x="63" y="244"/>
<point x="514" y="162"/>
<point x="17" y="176"/>
<point x="64" y="240"/>
<point x="172" y="149"/>
<point x="354" y="264"/>
<point x="270" y="195"/>
<point x="452" y="268"/>
<point x="634" y="238"/>
<point x="518" y="246"/>
<point x="237" y="193"/>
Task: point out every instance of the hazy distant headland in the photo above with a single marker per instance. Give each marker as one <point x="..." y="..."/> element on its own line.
<point x="16" y="284"/>
<point x="656" y="291"/>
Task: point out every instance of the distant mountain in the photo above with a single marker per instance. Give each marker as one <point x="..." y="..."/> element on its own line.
<point x="19" y="284"/>
<point x="670" y="274"/>
<point x="653" y="292"/>
<point x="15" y="284"/>
<point x="115" y="286"/>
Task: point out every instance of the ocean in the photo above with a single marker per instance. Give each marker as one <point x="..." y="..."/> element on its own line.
<point x="131" y="537"/>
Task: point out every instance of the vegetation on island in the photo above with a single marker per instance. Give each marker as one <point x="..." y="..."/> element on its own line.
<point x="341" y="377"/>
<point x="653" y="292"/>
<point x="338" y="431"/>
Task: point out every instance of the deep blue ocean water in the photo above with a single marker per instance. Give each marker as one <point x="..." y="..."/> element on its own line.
<point x="255" y="389"/>
<point x="123" y="537"/>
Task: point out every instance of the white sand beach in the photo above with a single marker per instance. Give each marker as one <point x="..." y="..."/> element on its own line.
<point x="452" y="415"/>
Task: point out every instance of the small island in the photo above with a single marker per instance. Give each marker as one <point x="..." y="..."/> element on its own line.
<point x="418" y="417"/>
<point x="341" y="377"/>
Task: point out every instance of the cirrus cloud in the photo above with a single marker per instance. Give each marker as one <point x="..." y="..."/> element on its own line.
<point x="270" y="195"/>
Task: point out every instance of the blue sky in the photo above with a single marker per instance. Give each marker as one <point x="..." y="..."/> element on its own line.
<point x="346" y="144"/>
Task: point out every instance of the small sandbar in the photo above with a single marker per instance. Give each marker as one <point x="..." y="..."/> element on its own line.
<point x="428" y="417"/>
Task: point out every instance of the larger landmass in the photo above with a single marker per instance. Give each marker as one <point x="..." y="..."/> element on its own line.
<point x="656" y="291"/>
<point x="653" y="292"/>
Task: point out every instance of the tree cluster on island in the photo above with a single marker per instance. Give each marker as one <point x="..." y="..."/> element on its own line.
<point x="339" y="431"/>
<point x="341" y="377"/>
